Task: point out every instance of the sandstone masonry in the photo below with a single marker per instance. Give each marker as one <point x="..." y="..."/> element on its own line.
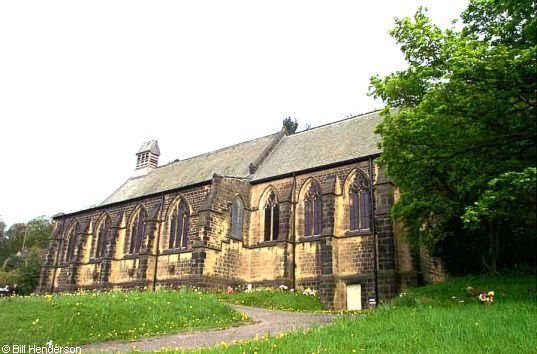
<point x="128" y="241"/>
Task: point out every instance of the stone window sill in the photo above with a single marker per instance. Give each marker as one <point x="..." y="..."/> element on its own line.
<point x="309" y="238"/>
<point x="364" y="232"/>
<point x="269" y="243"/>
<point x="176" y="251"/>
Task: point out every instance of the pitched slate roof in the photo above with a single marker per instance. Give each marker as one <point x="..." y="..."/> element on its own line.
<point x="335" y="142"/>
<point x="230" y="161"/>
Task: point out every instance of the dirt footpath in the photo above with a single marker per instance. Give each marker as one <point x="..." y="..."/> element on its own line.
<point x="263" y="322"/>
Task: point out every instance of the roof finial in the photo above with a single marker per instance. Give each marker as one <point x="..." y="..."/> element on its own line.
<point x="289" y="125"/>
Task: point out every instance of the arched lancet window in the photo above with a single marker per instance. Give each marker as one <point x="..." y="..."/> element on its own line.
<point x="102" y="237"/>
<point x="137" y="231"/>
<point x="359" y="204"/>
<point x="272" y="218"/>
<point x="313" y="211"/>
<point x="72" y="240"/>
<point x="237" y="216"/>
<point x="179" y="225"/>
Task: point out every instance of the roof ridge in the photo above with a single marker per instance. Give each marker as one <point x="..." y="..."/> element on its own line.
<point x="361" y="115"/>
<point x="265" y="136"/>
<point x="213" y="151"/>
<point x="343" y="140"/>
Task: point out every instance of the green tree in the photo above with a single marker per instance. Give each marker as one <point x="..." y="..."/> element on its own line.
<point x="460" y="116"/>
<point x="509" y="199"/>
<point x="39" y="230"/>
<point x="2" y="229"/>
<point x="12" y="243"/>
<point x="21" y="253"/>
<point x="24" y="270"/>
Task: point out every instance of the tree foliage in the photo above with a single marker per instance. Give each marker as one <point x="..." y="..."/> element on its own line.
<point x="2" y="229"/>
<point x="509" y="199"/>
<point x="21" y="253"/>
<point x="461" y="116"/>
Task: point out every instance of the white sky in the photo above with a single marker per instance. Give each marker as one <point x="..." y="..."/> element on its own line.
<point x="84" y="84"/>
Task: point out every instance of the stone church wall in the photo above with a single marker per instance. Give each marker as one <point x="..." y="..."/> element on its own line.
<point x="327" y="262"/>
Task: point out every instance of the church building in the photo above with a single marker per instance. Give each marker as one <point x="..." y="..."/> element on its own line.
<point x="305" y="210"/>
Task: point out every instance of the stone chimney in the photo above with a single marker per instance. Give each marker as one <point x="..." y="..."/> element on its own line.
<point x="147" y="158"/>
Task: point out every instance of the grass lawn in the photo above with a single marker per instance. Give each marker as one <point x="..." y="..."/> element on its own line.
<point x="438" y="318"/>
<point x="274" y="300"/>
<point x="96" y="317"/>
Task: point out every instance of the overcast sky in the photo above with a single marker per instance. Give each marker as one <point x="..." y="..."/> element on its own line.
<point x="84" y="84"/>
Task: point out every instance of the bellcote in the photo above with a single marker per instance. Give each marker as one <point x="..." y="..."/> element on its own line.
<point x="147" y="157"/>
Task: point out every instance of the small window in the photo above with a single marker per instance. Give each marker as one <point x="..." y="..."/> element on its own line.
<point x="359" y="204"/>
<point x="179" y="226"/>
<point x="237" y="216"/>
<point x="272" y="218"/>
<point x="313" y="211"/>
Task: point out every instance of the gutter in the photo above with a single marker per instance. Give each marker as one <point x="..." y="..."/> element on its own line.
<point x="316" y="168"/>
<point x="103" y="206"/>
<point x="293" y="236"/>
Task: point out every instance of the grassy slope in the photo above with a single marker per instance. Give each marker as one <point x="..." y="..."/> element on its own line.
<point x="275" y="300"/>
<point x="96" y="317"/>
<point x="427" y="320"/>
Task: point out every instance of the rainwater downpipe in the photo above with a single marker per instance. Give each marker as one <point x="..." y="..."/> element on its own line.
<point x="159" y="234"/>
<point x="293" y="205"/>
<point x="373" y="229"/>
